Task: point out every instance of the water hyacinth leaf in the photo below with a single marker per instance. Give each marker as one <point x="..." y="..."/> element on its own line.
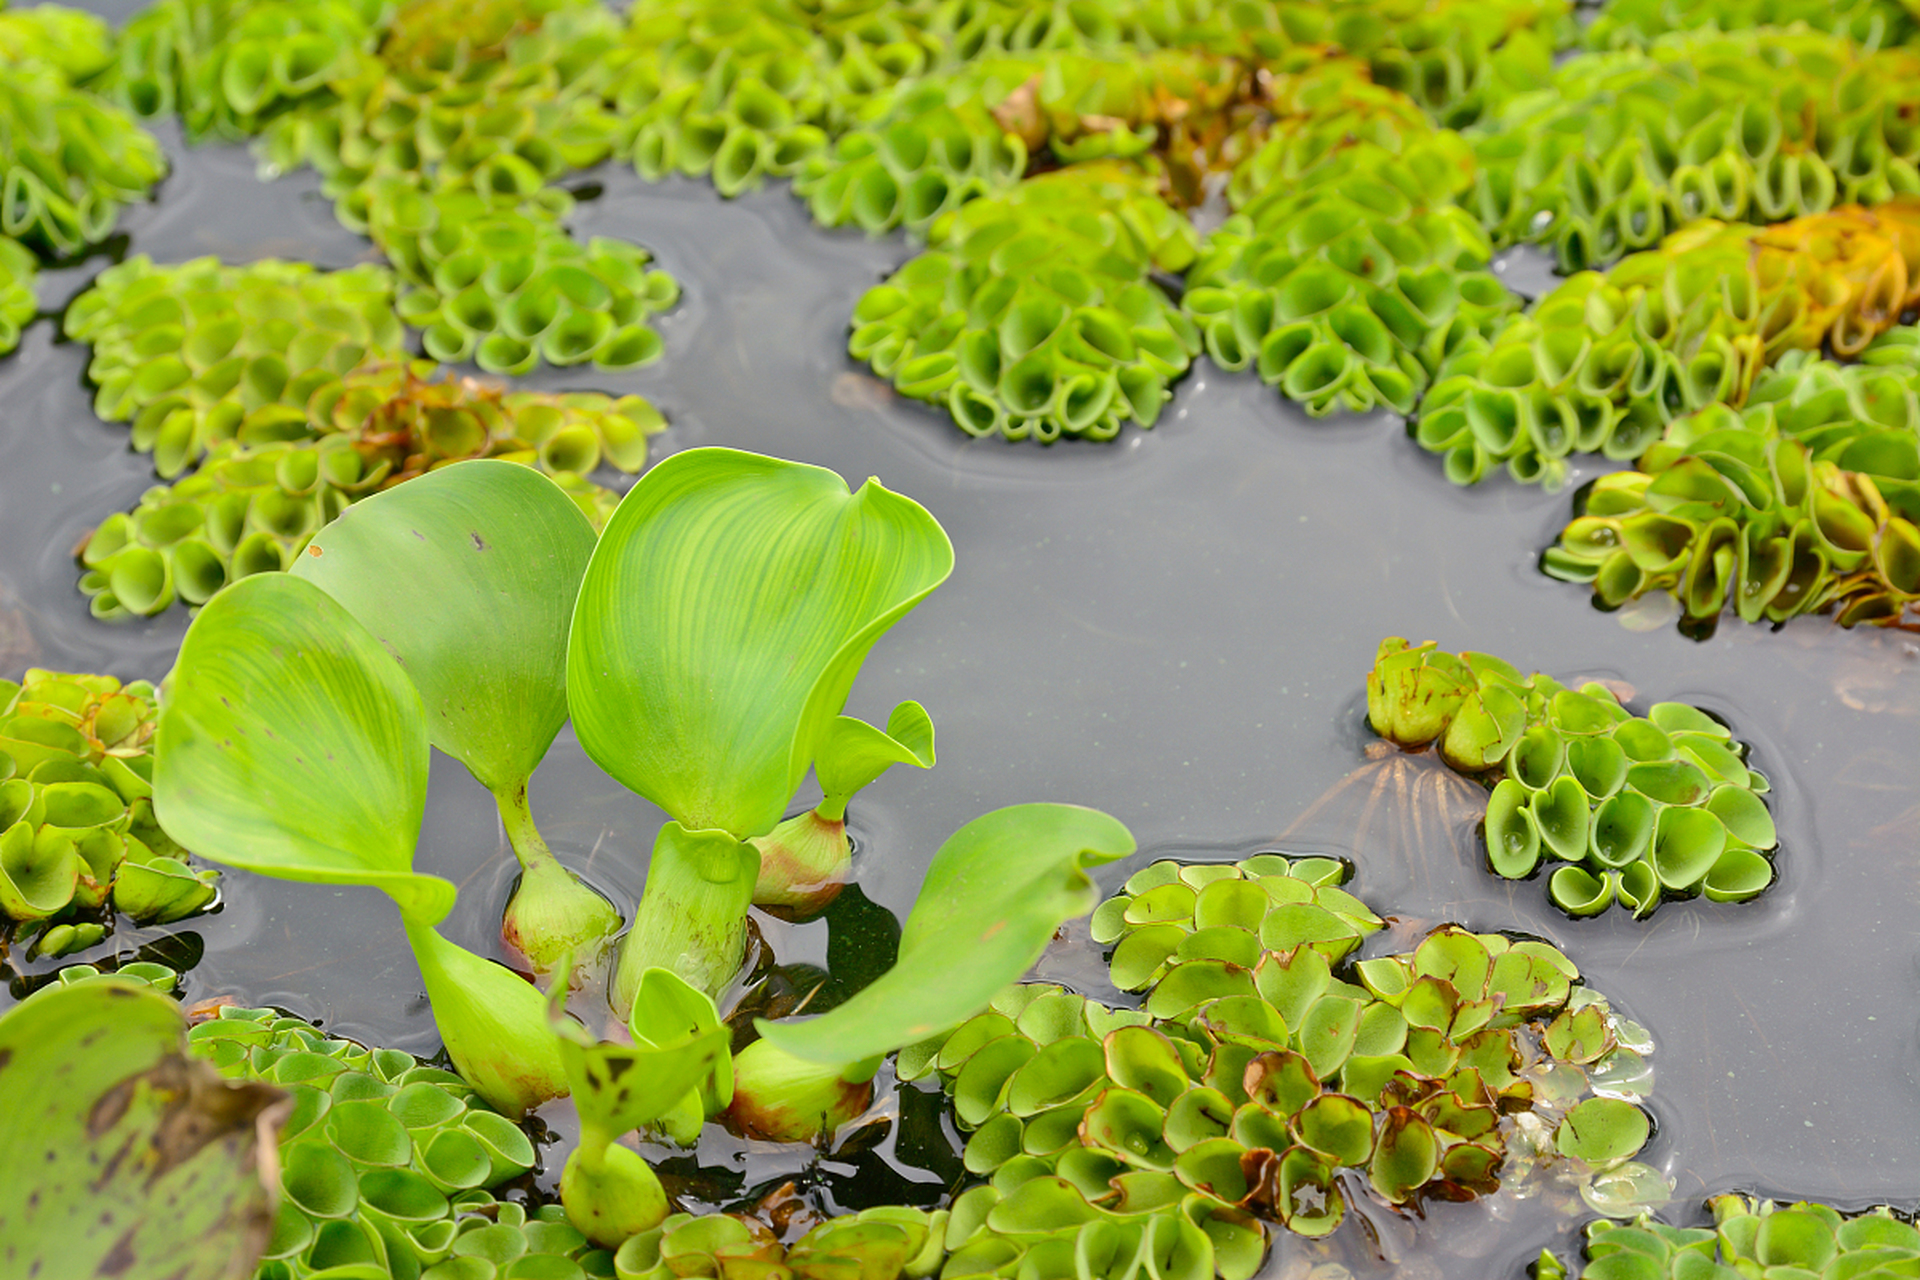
<point x="139" y="1155"/>
<point x="291" y="744"/>
<point x="680" y="1048"/>
<point x="995" y="892"/>
<point x="697" y="674"/>
<point x="853" y="753"/>
<point x="504" y="550"/>
<point x="1602" y="1131"/>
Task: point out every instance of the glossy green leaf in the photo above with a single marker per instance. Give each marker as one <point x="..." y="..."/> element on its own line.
<point x="1512" y="832"/>
<point x="1406" y="1156"/>
<point x="618" y="1088"/>
<point x="723" y="619"/>
<point x="291" y="744"/>
<point x="1602" y="1130"/>
<point x="995" y="892"/>
<point x="853" y="753"/>
<point x="137" y="1155"/>
<point x="500" y="550"/>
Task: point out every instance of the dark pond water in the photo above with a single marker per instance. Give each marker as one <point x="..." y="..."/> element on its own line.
<point x="1174" y="628"/>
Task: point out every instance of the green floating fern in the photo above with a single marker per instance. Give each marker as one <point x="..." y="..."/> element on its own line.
<point x="199" y="353"/>
<point x="1267" y="1078"/>
<point x="506" y="286"/>
<point x="387" y="1164"/>
<point x="227" y="67"/>
<point x="1347" y="290"/>
<point x="69" y="161"/>
<point x="1871" y="24"/>
<point x="1624" y="808"/>
<point x="80" y="45"/>
<point x="1623" y="148"/>
<point x="1604" y="362"/>
<point x="77" y="831"/>
<point x="257" y="500"/>
<point x="1750" y="1237"/>
<point x="1805" y="501"/>
<point x="1032" y="314"/>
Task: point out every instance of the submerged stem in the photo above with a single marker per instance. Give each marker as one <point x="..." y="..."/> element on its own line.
<point x="551" y="912"/>
<point x="692" y="916"/>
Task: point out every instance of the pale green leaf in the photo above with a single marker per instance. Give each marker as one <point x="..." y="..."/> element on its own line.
<point x="722" y="620"/>
<point x="993" y="897"/>
<point x="467" y="575"/>
<point x="289" y="743"/>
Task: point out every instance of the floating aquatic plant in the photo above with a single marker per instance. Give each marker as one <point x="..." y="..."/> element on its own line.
<point x="1871" y="24"/>
<point x="77" y="831"/>
<point x="693" y="688"/>
<point x="226" y="67"/>
<point x="136" y="1155"/>
<point x="1256" y="1086"/>
<point x="1805" y="501"/>
<point x="1749" y="1237"/>
<point x="1767" y="125"/>
<point x="256" y="501"/>
<point x="1622" y="808"/>
<point x="69" y="161"/>
<point x="1604" y="362"/>
<point x="18" y="302"/>
<point x="200" y="352"/>
<point x="79" y="44"/>
<point x="1348" y="289"/>
<point x="507" y="287"/>
<point x="294" y="745"/>
<point x="387" y="1163"/>
<point x="1033" y="314"/>
<point x="505" y="550"/>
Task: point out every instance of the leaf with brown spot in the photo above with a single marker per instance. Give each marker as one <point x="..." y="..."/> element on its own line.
<point x="139" y="1156"/>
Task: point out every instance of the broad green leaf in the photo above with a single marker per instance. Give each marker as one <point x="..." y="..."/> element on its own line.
<point x="467" y="575"/>
<point x="994" y="894"/>
<point x="853" y="753"/>
<point x="1602" y="1131"/>
<point x="289" y="743"/>
<point x="722" y="620"/>
<point x="618" y="1088"/>
<point x="136" y="1156"/>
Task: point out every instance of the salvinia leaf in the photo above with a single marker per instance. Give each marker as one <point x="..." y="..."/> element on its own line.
<point x="467" y="575"/>
<point x="722" y="620"/>
<point x="993" y="896"/>
<point x="124" y="1156"/>
<point x="289" y="743"/>
<point x="853" y="753"/>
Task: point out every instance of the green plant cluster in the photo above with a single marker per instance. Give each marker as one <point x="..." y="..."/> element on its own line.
<point x="287" y="387"/>
<point x="1807" y="500"/>
<point x="1605" y="361"/>
<point x="148" y="973"/>
<point x="226" y="67"/>
<point x="1750" y="1238"/>
<point x="77" y="43"/>
<point x="1033" y="313"/>
<point x="198" y="353"/>
<point x="387" y="1163"/>
<point x="1635" y="809"/>
<point x="1622" y="148"/>
<point x="1631" y="24"/>
<point x="875" y="1244"/>
<point x="1348" y="284"/>
<point x="77" y="831"/>
<point x="1267" y="1079"/>
<point x="505" y="286"/>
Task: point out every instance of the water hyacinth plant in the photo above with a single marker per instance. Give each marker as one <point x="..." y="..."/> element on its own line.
<point x="292" y="744"/>
<point x="137" y="1155"/>
<point x="719" y="628"/>
<point x="1633" y="809"/>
